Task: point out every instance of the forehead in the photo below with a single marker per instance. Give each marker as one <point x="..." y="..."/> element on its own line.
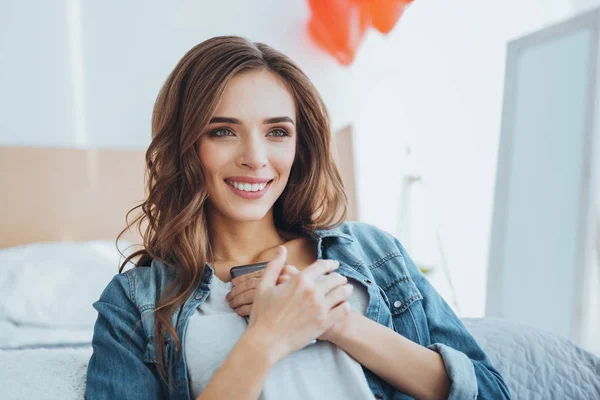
<point x="256" y="95"/>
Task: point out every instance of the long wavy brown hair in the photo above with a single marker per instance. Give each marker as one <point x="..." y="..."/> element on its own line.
<point x="173" y="212"/>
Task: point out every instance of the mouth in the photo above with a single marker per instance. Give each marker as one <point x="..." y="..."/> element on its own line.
<point x="249" y="190"/>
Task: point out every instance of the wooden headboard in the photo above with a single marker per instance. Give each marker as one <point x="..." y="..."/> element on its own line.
<point x="53" y="194"/>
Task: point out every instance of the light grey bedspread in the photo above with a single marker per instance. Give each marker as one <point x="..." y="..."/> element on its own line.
<point x="536" y="365"/>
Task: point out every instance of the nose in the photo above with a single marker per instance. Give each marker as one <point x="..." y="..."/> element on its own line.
<point x="253" y="154"/>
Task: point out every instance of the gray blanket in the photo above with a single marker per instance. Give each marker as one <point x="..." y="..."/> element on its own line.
<point x="537" y="364"/>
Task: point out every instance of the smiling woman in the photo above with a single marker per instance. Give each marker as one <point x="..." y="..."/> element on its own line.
<point x="258" y="139"/>
<point x="240" y="171"/>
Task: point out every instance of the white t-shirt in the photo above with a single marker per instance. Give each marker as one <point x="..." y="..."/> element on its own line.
<point x="318" y="371"/>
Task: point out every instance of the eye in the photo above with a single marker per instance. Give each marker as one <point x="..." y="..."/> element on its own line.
<point x="278" y="133"/>
<point x="221" y="132"/>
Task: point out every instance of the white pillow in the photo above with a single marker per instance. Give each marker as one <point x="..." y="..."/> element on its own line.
<point x="55" y="284"/>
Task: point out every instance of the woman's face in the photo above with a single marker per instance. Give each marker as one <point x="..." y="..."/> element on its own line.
<point x="248" y="148"/>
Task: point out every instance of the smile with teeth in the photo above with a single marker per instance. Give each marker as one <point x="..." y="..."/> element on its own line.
<point x="248" y="187"/>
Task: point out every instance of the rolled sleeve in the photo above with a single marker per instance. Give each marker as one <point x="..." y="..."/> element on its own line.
<point x="460" y="371"/>
<point x="468" y="367"/>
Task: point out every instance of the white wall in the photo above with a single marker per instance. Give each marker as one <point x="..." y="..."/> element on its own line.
<point x="441" y="73"/>
<point x="35" y="96"/>
<point x="77" y="73"/>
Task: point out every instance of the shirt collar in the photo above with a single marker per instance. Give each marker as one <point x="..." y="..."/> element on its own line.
<point x="333" y="232"/>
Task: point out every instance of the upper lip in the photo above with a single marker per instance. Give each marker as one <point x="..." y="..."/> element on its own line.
<point x="247" y="179"/>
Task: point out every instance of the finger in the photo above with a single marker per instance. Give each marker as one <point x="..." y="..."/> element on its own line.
<point x="273" y="269"/>
<point x="319" y="268"/>
<point x="242" y="299"/>
<point x="290" y="270"/>
<point x="330" y="282"/>
<point x="339" y="311"/>
<point x="338" y="295"/>
<point x="240" y="279"/>
<point x="248" y="284"/>
<point x="244" y="311"/>
<point x="283" y="279"/>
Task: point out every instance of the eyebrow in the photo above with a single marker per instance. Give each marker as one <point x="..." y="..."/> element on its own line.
<point x="227" y="120"/>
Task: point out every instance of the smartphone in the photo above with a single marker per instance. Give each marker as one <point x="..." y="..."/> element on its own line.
<point x="248" y="269"/>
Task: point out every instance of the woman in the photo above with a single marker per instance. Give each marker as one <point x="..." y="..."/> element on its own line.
<point x="239" y="172"/>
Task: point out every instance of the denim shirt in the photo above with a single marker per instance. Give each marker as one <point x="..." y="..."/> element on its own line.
<point x="123" y="363"/>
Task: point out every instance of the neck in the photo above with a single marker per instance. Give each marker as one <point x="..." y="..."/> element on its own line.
<point x="241" y="242"/>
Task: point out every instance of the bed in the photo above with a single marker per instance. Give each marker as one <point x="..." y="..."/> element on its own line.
<point x="62" y="209"/>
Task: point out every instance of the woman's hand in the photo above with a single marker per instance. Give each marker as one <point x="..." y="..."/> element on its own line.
<point x="302" y="308"/>
<point x="333" y="333"/>
<point x="241" y="297"/>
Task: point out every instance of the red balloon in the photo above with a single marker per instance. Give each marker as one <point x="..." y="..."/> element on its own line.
<point x="386" y="13"/>
<point x="339" y="26"/>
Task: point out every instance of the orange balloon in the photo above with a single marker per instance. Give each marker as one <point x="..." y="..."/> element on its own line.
<point x="386" y="13"/>
<point x="338" y="26"/>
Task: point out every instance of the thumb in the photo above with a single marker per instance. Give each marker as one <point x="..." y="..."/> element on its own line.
<point x="274" y="267"/>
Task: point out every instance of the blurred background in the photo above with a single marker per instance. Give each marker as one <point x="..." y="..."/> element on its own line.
<point x="449" y="130"/>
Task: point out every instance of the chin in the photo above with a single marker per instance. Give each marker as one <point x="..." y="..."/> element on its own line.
<point x="248" y="214"/>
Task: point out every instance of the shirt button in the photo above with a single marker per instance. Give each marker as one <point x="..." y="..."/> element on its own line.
<point x="378" y="396"/>
<point x="397" y="304"/>
<point x="368" y="281"/>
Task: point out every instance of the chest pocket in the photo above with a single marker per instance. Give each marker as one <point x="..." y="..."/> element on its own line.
<point x="403" y="298"/>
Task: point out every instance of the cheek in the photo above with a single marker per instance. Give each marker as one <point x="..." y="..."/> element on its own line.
<point x="204" y="153"/>
<point x="283" y="160"/>
<point x="210" y="158"/>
